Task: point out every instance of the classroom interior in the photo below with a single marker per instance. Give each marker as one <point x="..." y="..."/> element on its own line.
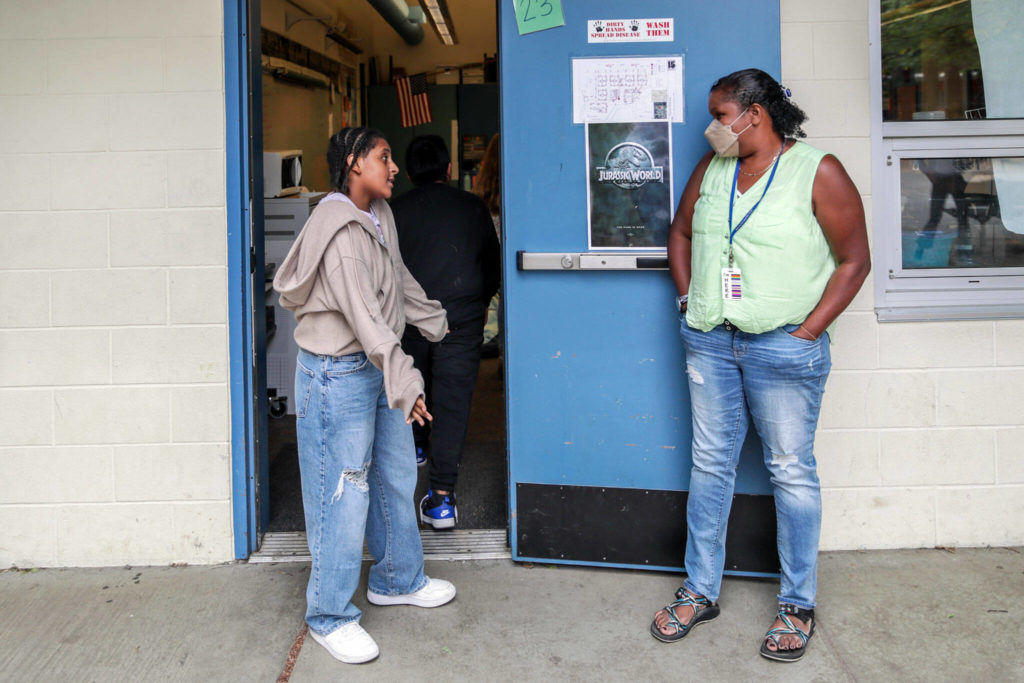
<point x="327" y="64"/>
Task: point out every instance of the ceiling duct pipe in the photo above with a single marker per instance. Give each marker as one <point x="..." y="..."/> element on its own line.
<point x="398" y="15"/>
<point x="339" y="28"/>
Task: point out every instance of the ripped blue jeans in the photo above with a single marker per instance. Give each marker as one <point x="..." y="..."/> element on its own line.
<point x="358" y="469"/>
<point x="781" y="379"/>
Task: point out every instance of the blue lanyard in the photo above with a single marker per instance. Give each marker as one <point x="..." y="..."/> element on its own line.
<point x="732" y="198"/>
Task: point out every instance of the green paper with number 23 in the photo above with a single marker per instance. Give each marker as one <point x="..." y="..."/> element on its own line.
<point x="537" y="15"/>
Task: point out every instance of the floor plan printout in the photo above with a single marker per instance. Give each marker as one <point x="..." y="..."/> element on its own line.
<point x="627" y="89"/>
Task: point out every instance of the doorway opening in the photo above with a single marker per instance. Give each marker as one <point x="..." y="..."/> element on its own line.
<point x="327" y="64"/>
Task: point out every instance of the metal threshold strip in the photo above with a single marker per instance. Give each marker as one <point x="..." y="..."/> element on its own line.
<point x="459" y="544"/>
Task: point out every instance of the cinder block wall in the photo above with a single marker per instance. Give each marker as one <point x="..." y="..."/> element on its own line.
<point x="113" y="339"/>
<point x="921" y="440"/>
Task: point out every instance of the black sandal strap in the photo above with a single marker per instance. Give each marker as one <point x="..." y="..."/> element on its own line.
<point x="686" y="596"/>
<point x="804" y="615"/>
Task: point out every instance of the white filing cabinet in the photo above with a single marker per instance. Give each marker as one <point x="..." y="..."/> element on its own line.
<point x="283" y="218"/>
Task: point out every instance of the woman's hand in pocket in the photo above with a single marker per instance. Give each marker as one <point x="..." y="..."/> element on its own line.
<point x="802" y="332"/>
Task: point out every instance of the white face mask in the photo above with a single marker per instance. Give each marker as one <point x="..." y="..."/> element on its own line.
<point x="722" y="139"/>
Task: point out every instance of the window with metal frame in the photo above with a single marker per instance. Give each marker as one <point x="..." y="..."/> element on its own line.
<point x="948" y="159"/>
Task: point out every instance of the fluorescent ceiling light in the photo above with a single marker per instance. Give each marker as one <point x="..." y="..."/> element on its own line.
<point x="441" y="19"/>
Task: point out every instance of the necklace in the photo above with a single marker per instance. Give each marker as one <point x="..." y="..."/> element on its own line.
<point x="763" y="170"/>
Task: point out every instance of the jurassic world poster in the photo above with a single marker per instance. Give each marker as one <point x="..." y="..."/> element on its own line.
<point x="629" y="184"/>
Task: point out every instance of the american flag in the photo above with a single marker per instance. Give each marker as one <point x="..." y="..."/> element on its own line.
<point x="412" y="100"/>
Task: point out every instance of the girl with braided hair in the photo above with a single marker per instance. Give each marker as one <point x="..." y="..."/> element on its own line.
<point x="356" y="396"/>
<point x="767" y="248"/>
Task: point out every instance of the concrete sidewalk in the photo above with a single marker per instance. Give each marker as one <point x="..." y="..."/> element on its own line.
<point x="885" y="615"/>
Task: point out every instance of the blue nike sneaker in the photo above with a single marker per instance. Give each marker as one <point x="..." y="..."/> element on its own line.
<point x="438" y="510"/>
<point x="421" y="456"/>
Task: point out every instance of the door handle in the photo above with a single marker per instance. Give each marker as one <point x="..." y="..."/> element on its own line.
<point x="590" y="260"/>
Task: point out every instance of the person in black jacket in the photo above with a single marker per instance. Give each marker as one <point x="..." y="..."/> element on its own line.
<point x="448" y="243"/>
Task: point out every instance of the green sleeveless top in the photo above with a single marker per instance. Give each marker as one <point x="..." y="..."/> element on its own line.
<point x="784" y="260"/>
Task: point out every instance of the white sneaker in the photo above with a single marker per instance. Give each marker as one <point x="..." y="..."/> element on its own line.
<point x="436" y="593"/>
<point x="350" y="643"/>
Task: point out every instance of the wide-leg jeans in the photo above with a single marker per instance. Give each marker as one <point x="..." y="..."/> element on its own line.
<point x="358" y="470"/>
<point x="781" y="379"/>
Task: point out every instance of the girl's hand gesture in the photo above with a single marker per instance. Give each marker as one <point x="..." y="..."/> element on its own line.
<point x="419" y="413"/>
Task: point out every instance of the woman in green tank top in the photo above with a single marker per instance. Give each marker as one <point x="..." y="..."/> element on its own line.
<point x="767" y="248"/>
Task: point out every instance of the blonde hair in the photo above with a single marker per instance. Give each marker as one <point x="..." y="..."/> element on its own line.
<point x="488" y="178"/>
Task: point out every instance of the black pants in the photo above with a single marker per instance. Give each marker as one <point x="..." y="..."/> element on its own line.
<point x="449" y="369"/>
<point x="946" y="180"/>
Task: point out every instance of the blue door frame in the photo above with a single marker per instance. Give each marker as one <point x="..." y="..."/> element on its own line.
<point x="246" y="332"/>
<point x="598" y="409"/>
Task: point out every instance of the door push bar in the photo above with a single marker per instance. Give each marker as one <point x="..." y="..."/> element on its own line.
<point x="593" y="260"/>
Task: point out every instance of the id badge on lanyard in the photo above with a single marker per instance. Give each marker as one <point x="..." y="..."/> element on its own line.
<point x="732" y="280"/>
<point x="732" y="284"/>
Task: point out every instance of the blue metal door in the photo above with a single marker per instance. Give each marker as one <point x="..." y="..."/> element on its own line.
<point x="598" y="410"/>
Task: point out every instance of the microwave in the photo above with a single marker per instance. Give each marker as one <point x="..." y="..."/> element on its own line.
<point x="282" y="172"/>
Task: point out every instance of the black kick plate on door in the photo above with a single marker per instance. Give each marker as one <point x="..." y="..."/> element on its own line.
<point x="643" y="527"/>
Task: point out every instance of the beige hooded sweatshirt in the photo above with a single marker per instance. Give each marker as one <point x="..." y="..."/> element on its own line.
<point x="351" y="292"/>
